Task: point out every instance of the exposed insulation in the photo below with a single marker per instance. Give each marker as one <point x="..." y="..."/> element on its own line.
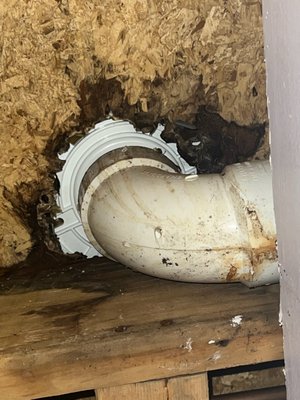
<point x="169" y="56"/>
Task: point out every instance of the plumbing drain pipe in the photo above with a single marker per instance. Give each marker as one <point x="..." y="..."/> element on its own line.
<point x="132" y="198"/>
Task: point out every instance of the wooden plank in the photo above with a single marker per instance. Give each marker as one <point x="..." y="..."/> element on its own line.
<point x="153" y="390"/>
<point x="68" y="325"/>
<point x="188" y="388"/>
<point x="246" y="381"/>
<point x="181" y="388"/>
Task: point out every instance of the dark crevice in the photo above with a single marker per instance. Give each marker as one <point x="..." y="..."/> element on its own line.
<point x="210" y="143"/>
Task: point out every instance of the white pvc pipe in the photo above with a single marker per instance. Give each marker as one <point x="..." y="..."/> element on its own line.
<point x="207" y="228"/>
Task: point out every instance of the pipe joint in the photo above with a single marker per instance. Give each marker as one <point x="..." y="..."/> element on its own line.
<point x="134" y="205"/>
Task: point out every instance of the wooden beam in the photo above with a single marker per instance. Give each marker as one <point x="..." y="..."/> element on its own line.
<point x="154" y="390"/>
<point x="68" y="326"/>
<point x="185" y="387"/>
<point x="189" y="387"/>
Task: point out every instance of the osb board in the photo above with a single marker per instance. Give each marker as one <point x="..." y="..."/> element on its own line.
<point x="168" y="56"/>
<point x="69" y="325"/>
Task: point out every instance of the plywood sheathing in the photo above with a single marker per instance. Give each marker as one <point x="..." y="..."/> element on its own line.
<point x="168" y="56"/>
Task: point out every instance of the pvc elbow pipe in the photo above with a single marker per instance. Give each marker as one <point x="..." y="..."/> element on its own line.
<point x="131" y="197"/>
<point x="137" y="209"/>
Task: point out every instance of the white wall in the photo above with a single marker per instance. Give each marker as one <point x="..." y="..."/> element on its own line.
<point x="282" y="49"/>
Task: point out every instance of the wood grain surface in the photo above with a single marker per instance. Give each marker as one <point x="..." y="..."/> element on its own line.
<point x="68" y="325"/>
<point x="193" y="387"/>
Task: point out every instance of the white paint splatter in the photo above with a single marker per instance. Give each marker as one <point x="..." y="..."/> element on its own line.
<point x="236" y="321"/>
<point x="216" y="356"/>
<point x="212" y="341"/>
<point x="188" y="345"/>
